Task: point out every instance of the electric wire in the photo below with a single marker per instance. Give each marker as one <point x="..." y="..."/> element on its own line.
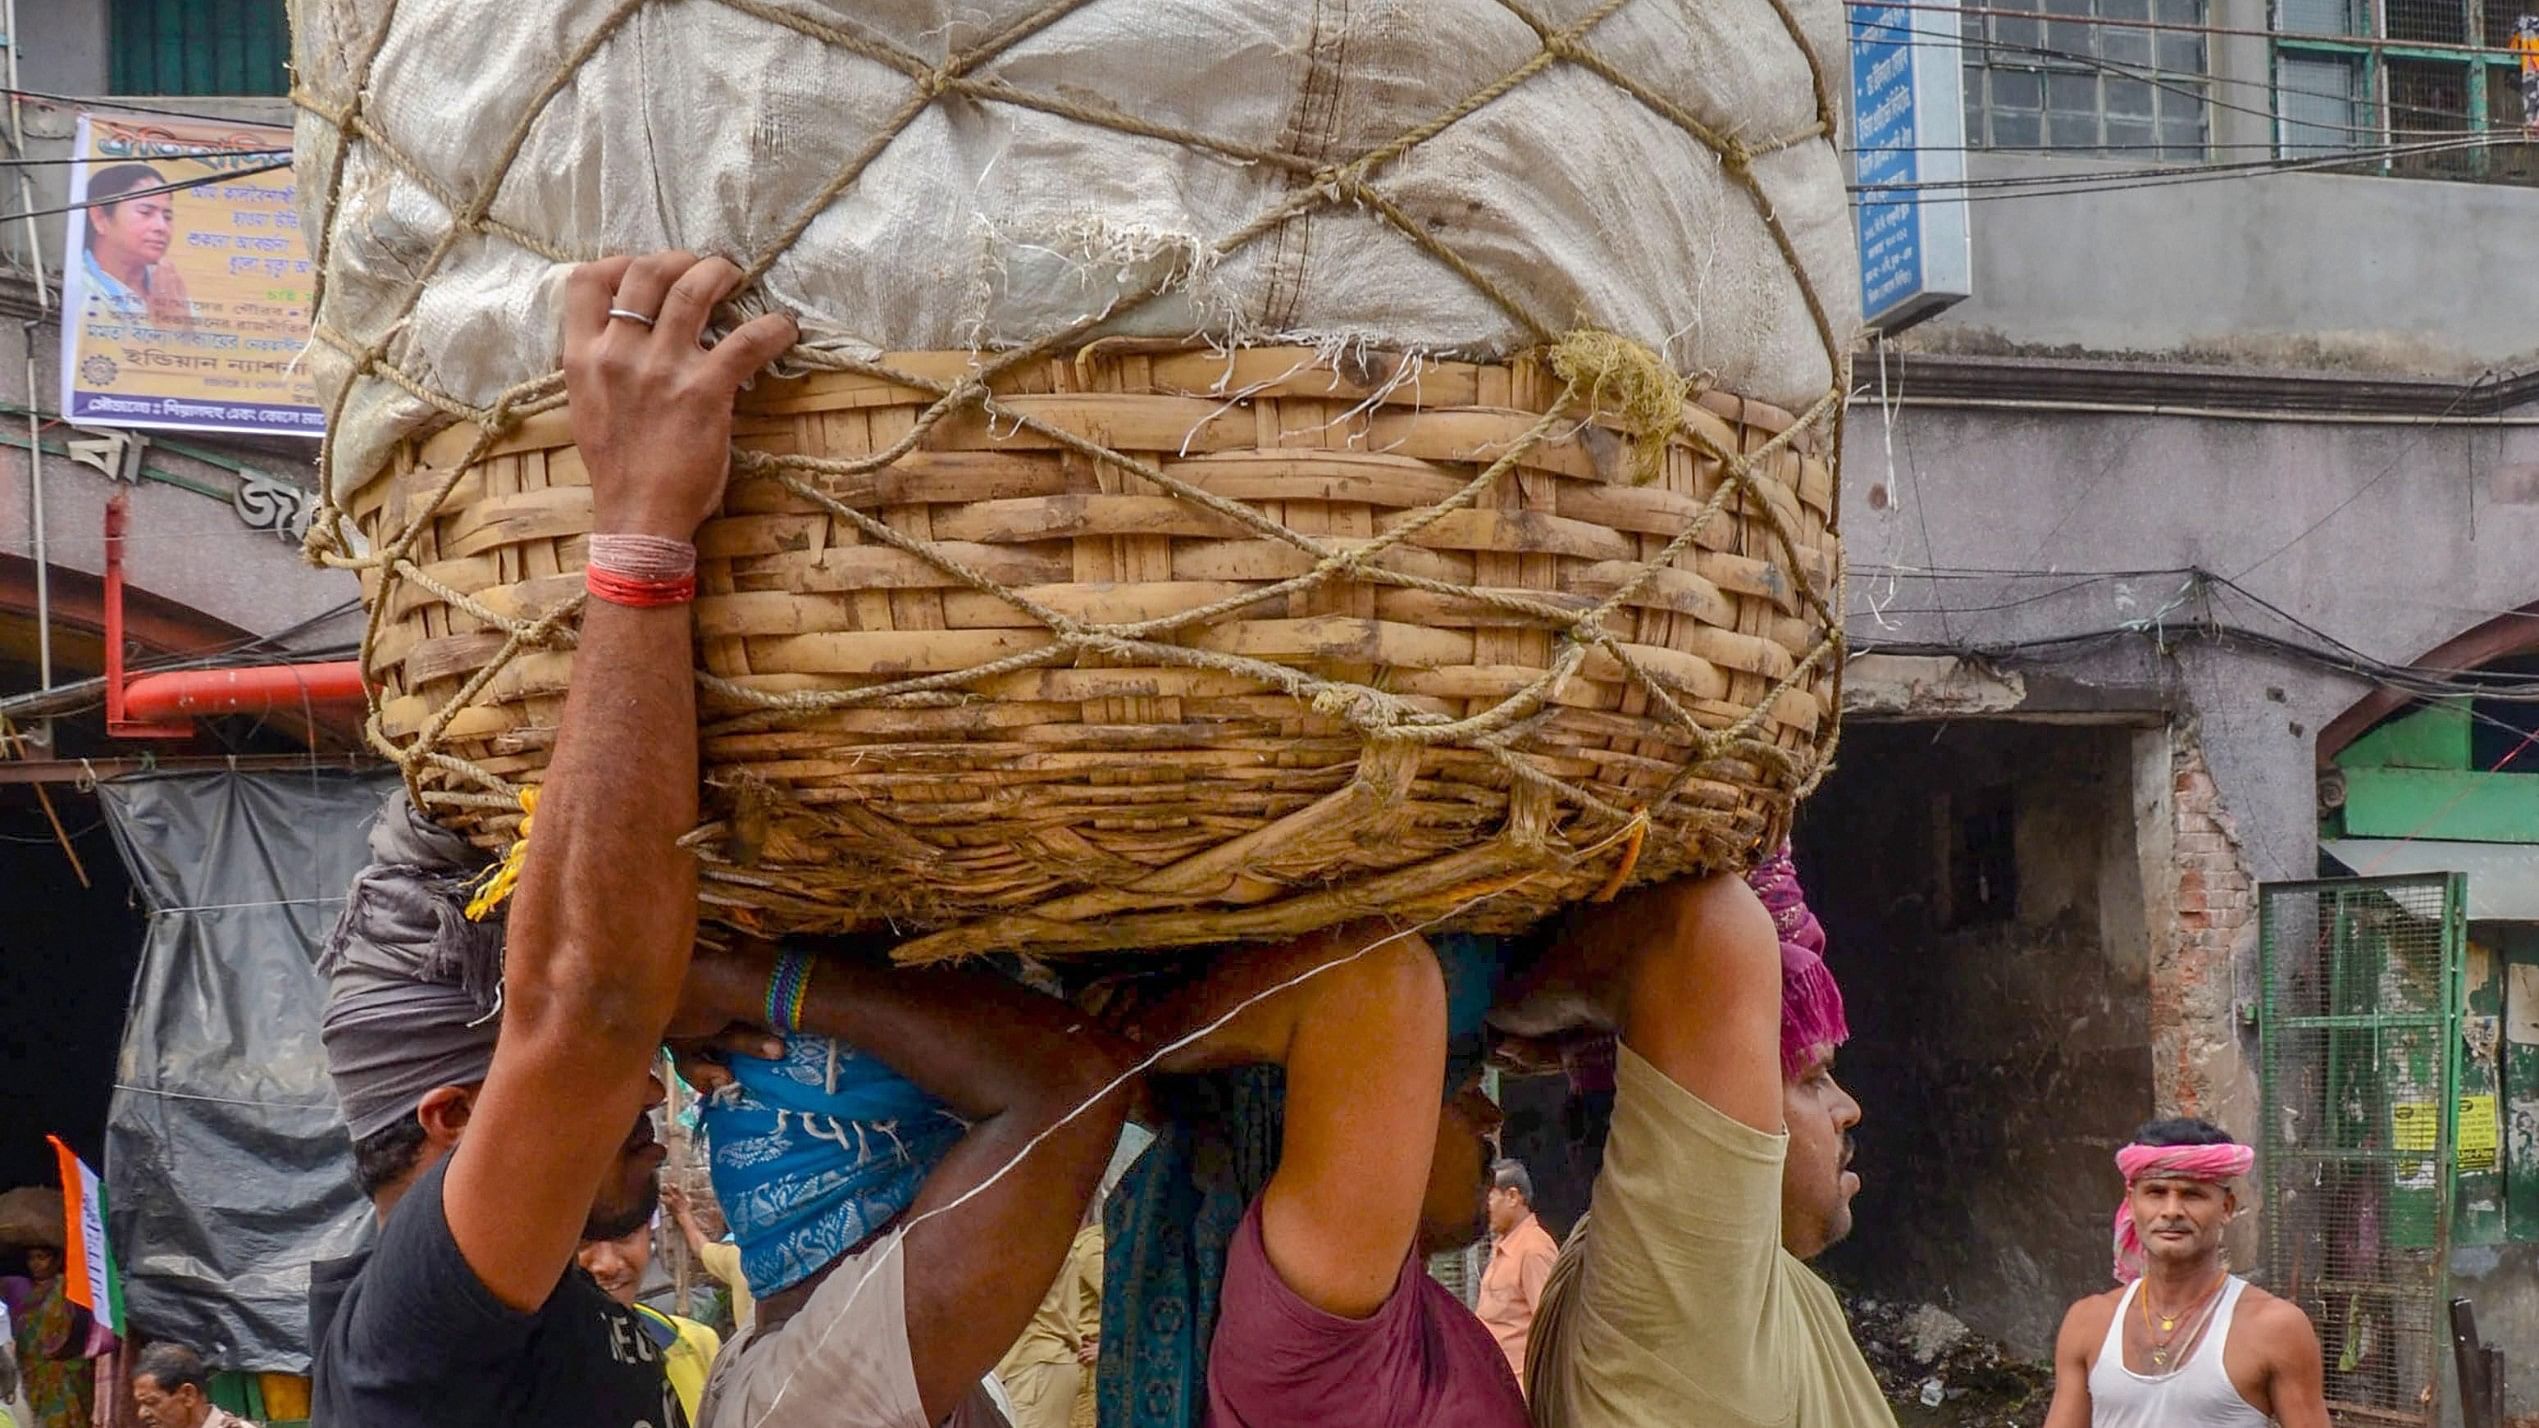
<point x="2167" y="175"/>
<point x="160" y="157"/>
<point x="2317" y="648"/>
<point x="132" y="193"/>
<point x="99" y="101"/>
<point x="2496" y="54"/>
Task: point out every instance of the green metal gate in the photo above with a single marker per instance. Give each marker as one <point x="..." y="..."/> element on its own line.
<point x="2359" y="1062"/>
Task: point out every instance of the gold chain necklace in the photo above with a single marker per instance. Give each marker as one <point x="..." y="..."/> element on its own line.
<point x="2163" y="1349"/>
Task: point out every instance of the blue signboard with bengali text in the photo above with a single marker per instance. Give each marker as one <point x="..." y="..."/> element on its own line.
<point x="1909" y="144"/>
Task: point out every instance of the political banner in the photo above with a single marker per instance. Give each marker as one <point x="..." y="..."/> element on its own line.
<point x="89" y="1279"/>
<point x="186" y="285"/>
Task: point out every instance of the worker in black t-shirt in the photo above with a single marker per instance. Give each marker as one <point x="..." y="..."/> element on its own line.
<point x="498" y="1085"/>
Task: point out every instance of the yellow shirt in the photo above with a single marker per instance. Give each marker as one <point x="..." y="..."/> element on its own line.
<point x="1070" y="1313"/>
<point x="724" y="1263"/>
<point x="690" y="1358"/>
<point x="1674" y="1301"/>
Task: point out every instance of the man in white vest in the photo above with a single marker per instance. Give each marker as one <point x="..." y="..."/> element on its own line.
<point x="2181" y="1342"/>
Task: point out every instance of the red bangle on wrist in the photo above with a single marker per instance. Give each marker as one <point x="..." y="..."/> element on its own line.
<point x="639" y="571"/>
<point x="616" y="589"/>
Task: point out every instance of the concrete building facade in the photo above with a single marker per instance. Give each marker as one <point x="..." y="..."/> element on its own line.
<point x="2241" y="467"/>
<point x="213" y="571"/>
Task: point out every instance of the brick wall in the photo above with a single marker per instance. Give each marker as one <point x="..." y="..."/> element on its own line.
<point x="2194" y="983"/>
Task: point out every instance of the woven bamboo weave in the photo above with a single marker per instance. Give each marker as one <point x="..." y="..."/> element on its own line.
<point x="1375" y="635"/>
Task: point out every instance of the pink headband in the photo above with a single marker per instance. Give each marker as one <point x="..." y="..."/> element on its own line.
<point x="1812" y="1018"/>
<point x="2168" y="1162"/>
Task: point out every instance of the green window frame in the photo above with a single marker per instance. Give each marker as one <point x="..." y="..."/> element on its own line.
<point x="199" y="47"/>
<point x="2122" y="79"/>
<point x="2360" y="74"/>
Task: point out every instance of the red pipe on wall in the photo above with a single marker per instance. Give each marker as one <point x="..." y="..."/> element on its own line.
<point x="119" y="724"/>
<point x="256" y="689"/>
<point x="158" y="706"/>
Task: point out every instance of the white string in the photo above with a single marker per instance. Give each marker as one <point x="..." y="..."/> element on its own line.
<point x="326" y="1105"/>
<point x="1895" y="494"/>
<point x="838" y="1316"/>
<point x="236" y="906"/>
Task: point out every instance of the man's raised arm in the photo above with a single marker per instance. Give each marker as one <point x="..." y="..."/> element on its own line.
<point x="1689" y="973"/>
<point x="605" y="914"/>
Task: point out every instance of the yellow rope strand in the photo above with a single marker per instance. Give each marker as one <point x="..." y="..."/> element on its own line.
<point x="496" y="886"/>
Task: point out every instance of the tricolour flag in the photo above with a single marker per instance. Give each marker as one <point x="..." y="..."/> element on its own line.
<point x="88" y="1270"/>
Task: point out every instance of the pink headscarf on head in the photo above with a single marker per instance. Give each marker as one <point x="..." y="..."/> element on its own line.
<point x="2167" y="1162"/>
<point x="1812" y="1020"/>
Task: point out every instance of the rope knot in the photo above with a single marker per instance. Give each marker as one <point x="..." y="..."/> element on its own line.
<point x="934" y="82"/>
<point x="1362" y="708"/>
<point x="1563" y="46"/>
<point x="322" y="541"/>
<point x="1629" y="384"/>
<point x="1344" y="181"/>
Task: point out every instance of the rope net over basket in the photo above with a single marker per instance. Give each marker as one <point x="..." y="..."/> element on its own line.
<point x="1102" y="641"/>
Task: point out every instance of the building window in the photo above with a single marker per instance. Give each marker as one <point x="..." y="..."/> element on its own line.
<point x="1983" y="858"/>
<point x="2089" y="76"/>
<point x="200" y="47"/>
<point x="2352" y="74"/>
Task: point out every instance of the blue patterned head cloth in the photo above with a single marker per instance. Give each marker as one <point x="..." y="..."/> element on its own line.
<point x="813" y="1153"/>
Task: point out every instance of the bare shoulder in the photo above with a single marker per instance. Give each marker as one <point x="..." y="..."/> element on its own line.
<point x="2275" y="1319"/>
<point x="2085" y="1323"/>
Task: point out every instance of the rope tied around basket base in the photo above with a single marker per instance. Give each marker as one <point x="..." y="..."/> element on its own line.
<point x="1598" y="361"/>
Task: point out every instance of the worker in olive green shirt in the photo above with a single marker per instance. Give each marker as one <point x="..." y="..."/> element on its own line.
<point x="1682" y="1299"/>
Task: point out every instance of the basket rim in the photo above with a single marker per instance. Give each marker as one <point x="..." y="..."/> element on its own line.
<point x="552" y="427"/>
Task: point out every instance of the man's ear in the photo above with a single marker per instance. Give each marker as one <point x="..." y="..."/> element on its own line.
<point x="444" y="1112"/>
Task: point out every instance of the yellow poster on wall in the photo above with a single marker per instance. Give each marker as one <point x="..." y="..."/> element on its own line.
<point x="186" y="285"/>
<point x="2414" y="1125"/>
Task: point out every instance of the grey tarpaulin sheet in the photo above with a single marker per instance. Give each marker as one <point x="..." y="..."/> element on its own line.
<point x="227" y="1167"/>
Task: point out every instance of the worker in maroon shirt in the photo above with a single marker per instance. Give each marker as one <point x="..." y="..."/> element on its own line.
<point x="1727" y="1016"/>
<point x="1325" y="1317"/>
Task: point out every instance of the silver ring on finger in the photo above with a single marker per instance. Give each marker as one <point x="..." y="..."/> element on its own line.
<point x="630" y="315"/>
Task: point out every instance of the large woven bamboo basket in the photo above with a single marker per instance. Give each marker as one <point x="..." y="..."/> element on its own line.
<point x="1139" y="648"/>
